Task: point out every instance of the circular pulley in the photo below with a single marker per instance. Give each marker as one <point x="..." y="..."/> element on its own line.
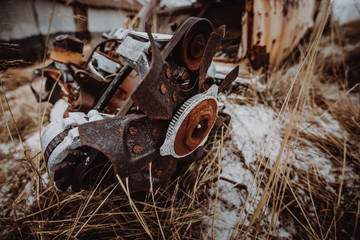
<point x="194" y="43"/>
<point x="191" y="125"/>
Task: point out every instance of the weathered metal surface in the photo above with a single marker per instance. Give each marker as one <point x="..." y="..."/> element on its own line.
<point x="159" y="79"/>
<point x="194" y="43"/>
<point x="273" y="28"/>
<point x="156" y="89"/>
<point x="195" y="127"/>
<point x="232" y="75"/>
<point x="191" y="124"/>
<point x="210" y="50"/>
<point x="128" y="152"/>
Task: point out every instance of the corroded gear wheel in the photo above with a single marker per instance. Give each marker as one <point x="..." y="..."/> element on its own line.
<point x="191" y="125"/>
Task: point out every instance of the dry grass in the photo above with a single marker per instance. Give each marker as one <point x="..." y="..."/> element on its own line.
<point x="176" y="212"/>
<point x="320" y="209"/>
<point x="291" y="195"/>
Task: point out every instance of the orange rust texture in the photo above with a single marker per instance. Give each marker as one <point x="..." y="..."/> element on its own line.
<point x="277" y="25"/>
<point x="186" y="141"/>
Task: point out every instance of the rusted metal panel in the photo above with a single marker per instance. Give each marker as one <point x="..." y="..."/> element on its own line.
<point x="273" y="28"/>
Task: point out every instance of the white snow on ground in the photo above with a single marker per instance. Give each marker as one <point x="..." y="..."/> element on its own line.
<point x="346" y="10"/>
<point x="255" y="134"/>
<point x="5" y="148"/>
<point x="323" y="126"/>
<point x="58" y="110"/>
<point x="33" y="141"/>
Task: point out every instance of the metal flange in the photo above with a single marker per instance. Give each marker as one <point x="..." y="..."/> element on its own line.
<point x="190" y="126"/>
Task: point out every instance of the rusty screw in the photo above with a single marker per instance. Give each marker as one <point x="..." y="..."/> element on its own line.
<point x="138" y="149"/>
<point x="168" y="72"/>
<point x="133" y="131"/>
<point x="156" y="132"/>
<point x="163" y="88"/>
<point x="158" y="172"/>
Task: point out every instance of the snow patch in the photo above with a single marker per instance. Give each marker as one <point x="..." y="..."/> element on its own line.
<point x="58" y="110"/>
<point x="5" y="148"/>
<point x="33" y="141"/>
<point x="346" y="10"/>
<point x="255" y="134"/>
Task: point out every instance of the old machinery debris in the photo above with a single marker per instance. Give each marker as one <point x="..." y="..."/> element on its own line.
<point x="139" y="98"/>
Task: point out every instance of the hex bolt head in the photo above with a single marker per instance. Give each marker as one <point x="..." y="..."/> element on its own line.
<point x="138" y="149"/>
<point x="156" y="132"/>
<point x="163" y="88"/>
<point x="168" y="72"/>
<point x="133" y="131"/>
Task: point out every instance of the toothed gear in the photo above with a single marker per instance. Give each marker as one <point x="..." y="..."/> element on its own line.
<point x="190" y="126"/>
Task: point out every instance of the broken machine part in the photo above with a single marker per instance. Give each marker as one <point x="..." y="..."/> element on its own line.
<point x="138" y="100"/>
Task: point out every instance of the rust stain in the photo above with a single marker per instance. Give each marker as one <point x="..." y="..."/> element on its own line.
<point x="162" y="88"/>
<point x="276" y="26"/>
<point x="133" y="131"/>
<point x="138" y="149"/>
<point x="156" y="132"/>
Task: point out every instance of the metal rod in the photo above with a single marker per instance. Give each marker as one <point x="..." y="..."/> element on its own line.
<point x="114" y="85"/>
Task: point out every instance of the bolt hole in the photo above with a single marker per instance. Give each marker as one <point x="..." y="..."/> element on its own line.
<point x="209" y="81"/>
<point x="200" y="129"/>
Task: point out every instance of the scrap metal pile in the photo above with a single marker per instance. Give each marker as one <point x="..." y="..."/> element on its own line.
<point x="139" y="100"/>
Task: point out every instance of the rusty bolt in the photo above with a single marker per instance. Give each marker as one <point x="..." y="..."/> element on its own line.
<point x="168" y="72"/>
<point x="156" y="132"/>
<point x="174" y="97"/>
<point x="163" y="88"/>
<point x="138" y="149"/>
<point x="133" y="131"/>
<point x="158" y="172"/>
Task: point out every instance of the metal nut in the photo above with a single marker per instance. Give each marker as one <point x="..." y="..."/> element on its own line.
<point x="138" y="149"/>
<point x="133" y="131"/>
<point x="163" y="88"/>
<point x="168" y="72"/>
<point x="156" y="132"/>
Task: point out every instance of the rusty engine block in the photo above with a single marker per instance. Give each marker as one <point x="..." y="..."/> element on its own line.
<point x="139" y="98"/>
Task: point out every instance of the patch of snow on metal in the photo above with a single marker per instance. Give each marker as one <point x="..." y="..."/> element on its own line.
<point x="58" y="110"/>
